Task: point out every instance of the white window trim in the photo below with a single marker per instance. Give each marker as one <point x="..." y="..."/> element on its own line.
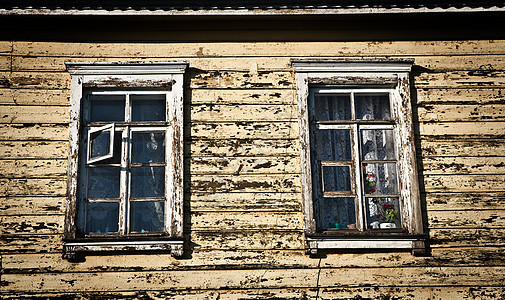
<point x="156" y="75"/>
<point x="363" y="73"/>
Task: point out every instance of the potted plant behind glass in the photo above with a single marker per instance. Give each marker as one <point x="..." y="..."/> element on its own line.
<point x="387" y="213"/>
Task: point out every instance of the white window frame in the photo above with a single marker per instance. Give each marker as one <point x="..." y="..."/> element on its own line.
<point x="113" y="77"/>
<point x="370" y="75"/>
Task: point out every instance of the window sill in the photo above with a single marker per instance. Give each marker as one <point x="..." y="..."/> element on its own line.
<point x="70" y="249"/>
<point x="315" y="246"/>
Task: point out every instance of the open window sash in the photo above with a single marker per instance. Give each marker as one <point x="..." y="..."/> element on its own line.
<point x="100" y="143"/>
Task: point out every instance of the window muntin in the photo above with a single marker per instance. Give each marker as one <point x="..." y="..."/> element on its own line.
<point x="354" y="159"/>
<point x="126" y="193"/>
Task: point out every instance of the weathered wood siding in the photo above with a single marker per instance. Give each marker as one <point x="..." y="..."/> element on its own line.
<point x="243" y="190"/>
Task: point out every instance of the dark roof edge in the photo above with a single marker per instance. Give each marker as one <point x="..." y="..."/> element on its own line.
<point x="238" y="11"/>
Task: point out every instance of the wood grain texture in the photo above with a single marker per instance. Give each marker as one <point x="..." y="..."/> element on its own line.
<point x="244" y="217"/>
<point x="17" y="114"/>
<point x="33" y="168"/>
<point x="464" y="165"/>
<point x="33" y="149"/>
<point x="460" y="201"/>
<point x="464" y="183"/>
<point x="245" y="147"/>
<point x="262" y="49"/>
<point x="459" y="146"/>
<point x="24" y="206"/>
<point x="244" y="165"/>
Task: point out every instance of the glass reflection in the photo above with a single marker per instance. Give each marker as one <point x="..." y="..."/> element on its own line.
<point x="148" y="182"/>
<point x="332" y="107"/>
<point x="100" y="143"/>
<point x="148" y="147"/>
<point x="147" y="216"/>
<point x="338" y="213"/>
<point x="109" y="108"/>
<point x="372" y="107"/>
<point x="148" y="108"/>
<point x="380" y="178"/>
<point x="103" y="183"/>
<point x="332" y="145"/>
<point x="336" y="178"/>
<point x="377" y="144"/>
<point x="102" y="217"/>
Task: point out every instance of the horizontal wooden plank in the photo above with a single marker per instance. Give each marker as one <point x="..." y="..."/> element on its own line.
<point x="33" y="150"/>
<point x="34" y="97"/>
<point x="464" y="183"/>
<point x="261" y="80"/>
<point x="465" y="96"/>
<point x="198" y="79"/>
<point x="246" y="220"/>
<point x="441" y="62"/>
<point x="245" y="130"/>
<point x="30" y="243"/>
<point x="372" y="292"/>
<point x="463" y="165"/>
<point x="41" y="224"/>
<point x="438" y="63"/>
<point x="37" y="80"/>
<point x="444" y="113"/>
<point x="33" y="168"/>
<point x="458" y="201"/>
<point x="246" y="279"/>
<point x="243" y="147"/>
<point x="459" y="79"/>
<point x="262" y="239"/>
<point x="243" y="80"/>
<point x="243" y="165"/>
<point x="493" y="147"/>
<point x="463" y="129"/>
<point x="243" y="112"/>
<point x="57" y="63"/>
<point x="248" y="259"/>
<point x="263" y="49"/>
<point x="16" y="114"/>
<point x="242" y="96"/>
<point x="285" y="183"/>
<point x="31" y="205"/>
<point x="33" y="132"/>
<point x="245" y="201"/>
<point x="467" y="237"/>
<point x="467" y="219"/>
<point x="12" y="187"/>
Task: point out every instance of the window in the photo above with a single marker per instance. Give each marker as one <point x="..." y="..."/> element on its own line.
<point x="359" y="174"/>
<point x="125" y="184"/>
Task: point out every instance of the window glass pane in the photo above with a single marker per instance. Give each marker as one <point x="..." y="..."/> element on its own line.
<point x="103" y="183"/>
<point x="148" y="182"/>
<point x="338" y="213"/>
<point x="116" y="158"/>
<point x="148" y="147"/>
<point x="377" y="144"/>
<point x="102" y="217"/>
<point x="147" y="216"/>
<point x="372" y="107"/>
<point x="100" y="144"/>
<point x="332" y="144"/>
<point x="336" y="178"/>
<point x="148" y="108"/>
<point x="383" y="213"/>
<point x="380" y="178"/>
<point x="332" y="107"/>
<point x="109" y="108"/>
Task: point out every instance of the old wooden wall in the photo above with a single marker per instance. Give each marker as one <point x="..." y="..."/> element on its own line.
<point x="243" y="176"/>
